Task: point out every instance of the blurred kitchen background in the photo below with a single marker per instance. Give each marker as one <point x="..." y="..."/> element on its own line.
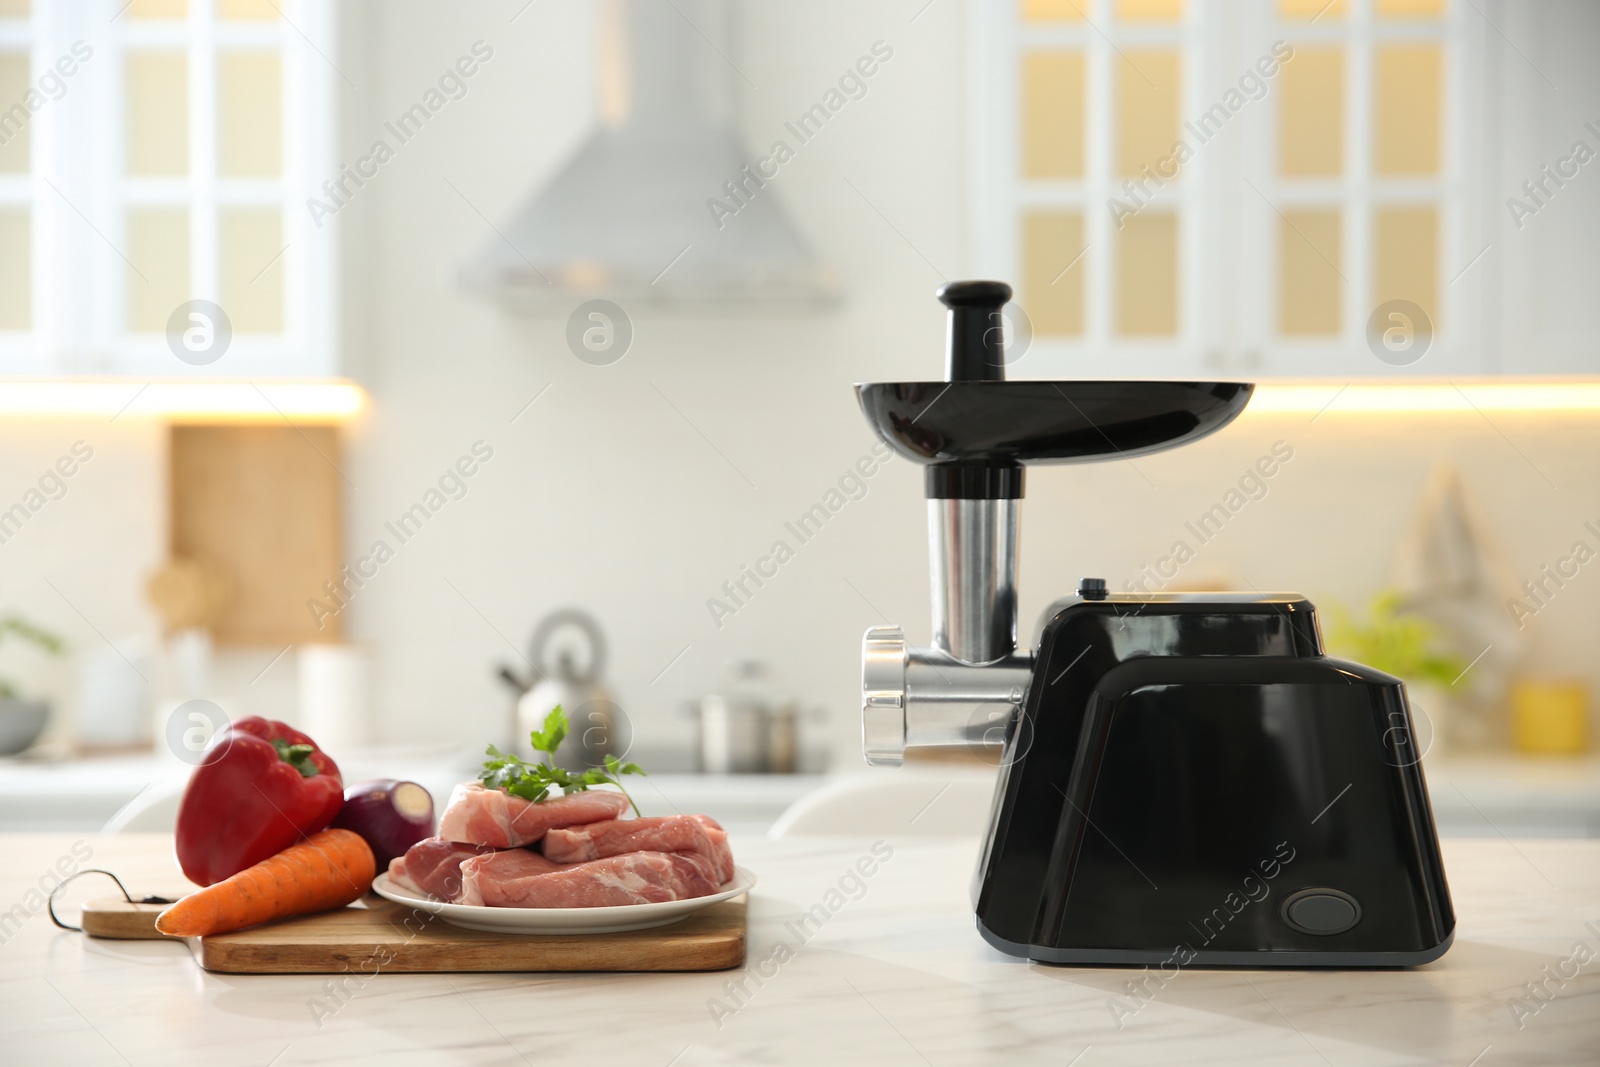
<point x="307" y="411"/>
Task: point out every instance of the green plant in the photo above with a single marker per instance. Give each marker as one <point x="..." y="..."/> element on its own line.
<point x="1398" y="644"/>
<point x="17" y="626"/>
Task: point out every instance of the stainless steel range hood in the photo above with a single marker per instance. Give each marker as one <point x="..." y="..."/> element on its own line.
<point x="629" y="217"/>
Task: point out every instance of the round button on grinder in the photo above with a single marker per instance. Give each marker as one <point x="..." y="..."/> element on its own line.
<point x="1321" y="911"/>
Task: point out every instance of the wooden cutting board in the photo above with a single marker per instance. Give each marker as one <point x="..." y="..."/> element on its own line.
<point x="376" y="936"/>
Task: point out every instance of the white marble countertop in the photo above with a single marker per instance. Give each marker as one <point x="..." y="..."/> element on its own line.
<point x="896" y="975"/>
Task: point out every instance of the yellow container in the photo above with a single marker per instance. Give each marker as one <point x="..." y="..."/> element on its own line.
<point x="1550" y="717"/>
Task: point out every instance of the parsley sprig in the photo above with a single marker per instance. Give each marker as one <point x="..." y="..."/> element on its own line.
<point x="532" y="781"/>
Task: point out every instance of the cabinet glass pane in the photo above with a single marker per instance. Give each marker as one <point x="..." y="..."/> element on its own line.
<point x="16" y="274"/>
<point x="1147" y="275"/>
<point x="1148" y="94"/>
<point x="1309" y="285"/>
<point x="1406" y="99"/>
<point x="14" y="135"/>
<point x="158" y="245"/>
<point x="252" y="269"/>
<point x="1057" y="10"/>
<point x="249" y="114"/>
<point x="1150" y="10"/>
<point x="158" y="113"/>
<point x="1052" y="115"/>
<point x="158" y="9"/>
<point x="1311" y="113"/>
<point x="246" y="9"/>
<point x="1409" y="9"/>
<point x="13" y="9"/>
<point x="1052" y="295"/>
<point x="1406" y="257"/>
<point x="1301" y="10"/>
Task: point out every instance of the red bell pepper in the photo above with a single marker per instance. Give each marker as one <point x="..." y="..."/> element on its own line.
<point x="260" y="787"/>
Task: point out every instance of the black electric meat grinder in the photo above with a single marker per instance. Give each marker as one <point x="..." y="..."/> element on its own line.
<point x="1185" y="778"/>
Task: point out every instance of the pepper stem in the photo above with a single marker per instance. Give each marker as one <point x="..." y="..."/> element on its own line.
<point x="296" y="756"/>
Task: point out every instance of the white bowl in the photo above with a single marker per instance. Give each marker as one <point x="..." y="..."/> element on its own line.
<point x="565" y="921"/>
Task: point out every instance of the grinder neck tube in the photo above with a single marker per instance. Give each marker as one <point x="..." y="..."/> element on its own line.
<point x="972" y="554"/>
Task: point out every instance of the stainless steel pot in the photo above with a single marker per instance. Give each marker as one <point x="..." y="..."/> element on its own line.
<point x="744" y="731"/>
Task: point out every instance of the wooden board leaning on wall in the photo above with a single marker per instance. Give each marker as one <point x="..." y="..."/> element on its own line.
<point x="263" y="507"/>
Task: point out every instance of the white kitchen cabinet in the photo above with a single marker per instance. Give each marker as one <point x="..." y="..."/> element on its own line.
<point x="158" y="154"/>
<point x="1543" y="98"/>
<point x="1330" y="157"/>
<point x="1047" y="82"/>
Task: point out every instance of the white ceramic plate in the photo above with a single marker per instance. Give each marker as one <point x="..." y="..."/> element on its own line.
<point x="564" y="920"/>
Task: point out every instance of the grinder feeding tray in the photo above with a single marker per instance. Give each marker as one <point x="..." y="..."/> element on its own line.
<point x="1185" y="778"/>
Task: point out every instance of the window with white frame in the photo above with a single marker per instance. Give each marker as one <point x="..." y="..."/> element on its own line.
<point x="1167" y="179"/>
<point x="165" y="153"/>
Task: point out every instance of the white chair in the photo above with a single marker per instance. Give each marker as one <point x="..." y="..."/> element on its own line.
<point x="153" y="811"/>
<point x="927" y="804"/>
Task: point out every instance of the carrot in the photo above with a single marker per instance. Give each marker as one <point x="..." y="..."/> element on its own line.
<point x="327" y="870"/>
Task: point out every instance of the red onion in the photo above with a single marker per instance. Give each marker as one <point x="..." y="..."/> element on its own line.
<point x="390" y="816"/>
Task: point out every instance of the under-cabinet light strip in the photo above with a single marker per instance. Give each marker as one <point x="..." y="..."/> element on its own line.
<point x="229" y="401"/>
<point x="1463" y="398"/>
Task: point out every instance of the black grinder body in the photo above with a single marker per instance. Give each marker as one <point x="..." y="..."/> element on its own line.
<point x="1191" y="780"/>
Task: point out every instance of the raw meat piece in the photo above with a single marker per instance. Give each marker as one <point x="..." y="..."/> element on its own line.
<point x="519" y="878"/>
<point x="719" y="838"/>
<point x="493" y="817"/>
<point x="668" y="833"/>
<point x="496" y="867"/>
<point x="433" y="866"/>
